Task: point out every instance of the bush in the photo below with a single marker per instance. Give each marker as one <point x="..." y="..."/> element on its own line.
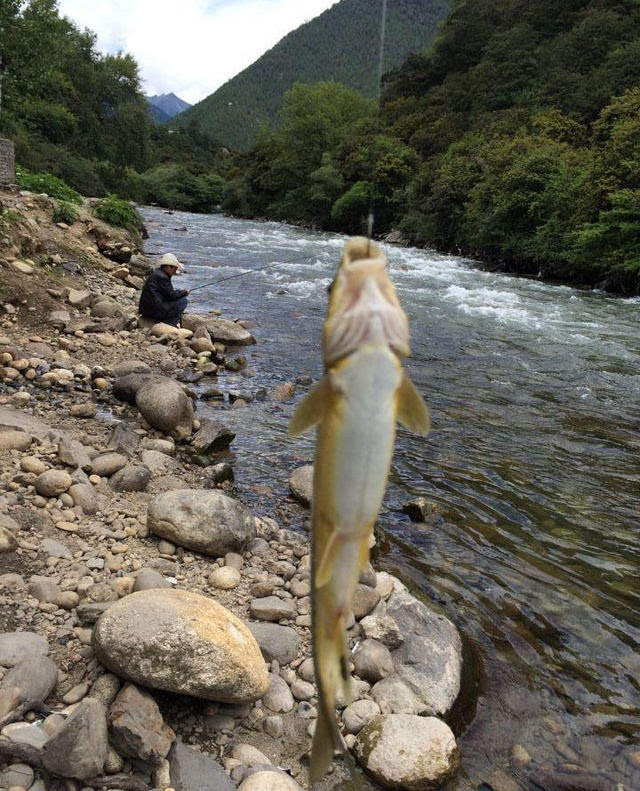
<point x="50" y="185"/>
<point x="64" y="212"/>
<point x="118" y="212"/>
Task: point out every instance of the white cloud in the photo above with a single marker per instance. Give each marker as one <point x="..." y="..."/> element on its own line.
<point x="190" y="47"/>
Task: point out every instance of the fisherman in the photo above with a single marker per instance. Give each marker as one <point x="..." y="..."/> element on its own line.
<point x="159" y="300"/>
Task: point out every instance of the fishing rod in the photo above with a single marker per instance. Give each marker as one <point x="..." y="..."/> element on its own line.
<point x="252" y="271"/>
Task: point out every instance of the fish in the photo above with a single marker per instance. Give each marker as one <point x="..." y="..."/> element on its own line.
<point x="355" y="407"/>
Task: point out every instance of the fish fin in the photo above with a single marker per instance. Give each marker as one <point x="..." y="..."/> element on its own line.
<point x="324" y="743"/>
<point x="328" y="559"/>
<point x="365" y="551"/>
<point x="412" y="410"/>
<point x="310" y="410"/>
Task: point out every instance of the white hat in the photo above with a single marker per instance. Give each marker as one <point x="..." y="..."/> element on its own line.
<point x="169" y="259"/>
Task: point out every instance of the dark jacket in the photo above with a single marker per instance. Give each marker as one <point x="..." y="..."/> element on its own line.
<point x="158" y="296"/>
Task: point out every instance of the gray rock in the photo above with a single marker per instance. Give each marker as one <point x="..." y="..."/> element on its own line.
<point x="194" y="771"/>
<point x="35" y="678"/>
<point x="125" y="388"/>
<point x="276" y="642"/>
<point x="17" y="646"/>
<point x="106" y="308"/>
<point x="159" y="463"/>
<point x="132" y="478"/>
<point x="15" y="440"/>
<point x="79" y="749"/>
<point x="85" y="496"/>
<point x="373" y="661"/>
<point x="221" y="330"/>
<point x="73" y="453"/>
<point x="26" y="733"/>
<point x="59" y="318"/>
<point x="203" y="520"/>
<point x="181" y="642"/>
<point x="53" y="483"/>
<point x="19" y="775"/>
<point x="136" y="726"/>
<point x="408" y="752"/>
<point x="105" y="688"/>
<point x="55" y="549"/>
<point x="107" y="464"/>
<point x="269" y="781"/>
<point x="211" y="437"/>
<point x="130" y="367"/>
<point x="89" y="612"/>
<point x="428" y="663"/>
<point x="301" y="484"/>
<point x="8" y="542"/>
<point x="165" y="405"/>
<point x="364" y="600"/>
<point x="44" y="589"/>
<point x="272" y="608"/>
<point x="278" y="697"/>
<point x="358" y="714"/>
<point x="148" y="579"/>
<point x="124" y="439"/>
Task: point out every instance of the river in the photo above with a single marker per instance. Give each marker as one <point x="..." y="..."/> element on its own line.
<point x="532" y="468"/>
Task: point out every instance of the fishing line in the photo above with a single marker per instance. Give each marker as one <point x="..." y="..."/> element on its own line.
<point x="378" y="125"/>
<point x="252" y="271"/>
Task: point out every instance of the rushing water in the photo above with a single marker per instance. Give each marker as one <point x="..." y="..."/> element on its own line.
<point x="532" y="467"/>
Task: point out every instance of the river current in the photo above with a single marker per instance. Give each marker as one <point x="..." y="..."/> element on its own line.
<point x="532" y="469"/>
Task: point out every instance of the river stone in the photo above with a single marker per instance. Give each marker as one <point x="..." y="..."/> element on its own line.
<point x="278" y="697"/>
<point x="53" y="483"/>
<point x="106" y="308"/>
<point x="194" y="771"/>
<point x="84" y="495"/>
<point x="130" y="367"/>
<point x="301" y="484"/>
<point x="165" y="405"/>
<point x="211" y="437"/>
<point x="107" y="464"/>
<point x="364" y="600"/>
<point x="79" y="749"/>
<point x="35" y="678"/>
<point x="403" y="751"/>
<point x="15" y="440"/>
<point x="203" y="520"/>
<point x="132" y="478"/>
<point x="16" y="775"/>
<point x="181" y="642"/>
<point x="221" y="330"/>
<point x="17" y="646"/>
<point x="358" y="714"/>
<point x="125" y="388"/>
<point x="136" y="726"/>
<point x="276" y="642"/>
<point x="372" y="661"/>
<point x="428" y="663"/>
<point x="148" y="579"/>
<point x="269" y="781"/>
<point x="225" y="578"/>
<point x="73" y="453"/>
<point x="272" y="608"/>
<point x="161" y="329"/>
<point x="8" y="542"/>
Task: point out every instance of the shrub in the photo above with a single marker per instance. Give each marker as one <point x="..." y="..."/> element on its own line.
<point x="50" y="185"/>
<point x="118" y="212"/>
<point x="64" y="212"/>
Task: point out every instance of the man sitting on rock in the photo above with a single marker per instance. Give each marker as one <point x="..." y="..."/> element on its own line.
<point x="159" y="300"/>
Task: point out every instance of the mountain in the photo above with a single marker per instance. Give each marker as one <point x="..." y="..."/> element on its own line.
<point x="341" y="44"/>
<point x="165" y="106"/>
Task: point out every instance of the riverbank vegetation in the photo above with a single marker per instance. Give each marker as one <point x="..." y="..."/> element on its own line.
<point x="515" y="139"/>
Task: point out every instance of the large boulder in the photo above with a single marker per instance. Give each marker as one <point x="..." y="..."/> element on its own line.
<point x="165" y="406"/>
<point x="403" y="751"/>
<point x="181" y="642"/>
<point x="427" y="662"/>
<point x="204" y="520"/>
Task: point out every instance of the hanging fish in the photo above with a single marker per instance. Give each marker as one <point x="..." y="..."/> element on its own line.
<point x="356" y="405"/>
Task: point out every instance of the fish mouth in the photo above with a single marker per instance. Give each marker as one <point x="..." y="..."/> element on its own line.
<point x="364" y="309"/>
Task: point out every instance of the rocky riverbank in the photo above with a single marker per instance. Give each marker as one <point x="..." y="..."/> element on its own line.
<point x="155" y="633"/>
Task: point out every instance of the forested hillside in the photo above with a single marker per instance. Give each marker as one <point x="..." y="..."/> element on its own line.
<point x="340" y="45"/>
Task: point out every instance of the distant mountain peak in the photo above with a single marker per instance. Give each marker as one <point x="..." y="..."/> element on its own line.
<point x="166" y="106"/>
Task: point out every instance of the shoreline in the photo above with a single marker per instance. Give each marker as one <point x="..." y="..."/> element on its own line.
<point x="97" y="514"/>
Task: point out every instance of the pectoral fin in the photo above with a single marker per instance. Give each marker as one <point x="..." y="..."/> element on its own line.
<point x="310" y="410"/>
<point x="412" y="410"/>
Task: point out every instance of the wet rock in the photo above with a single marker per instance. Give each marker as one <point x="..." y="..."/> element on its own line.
<point x="18" y="646"/>
<point x="136" y="726"/>
<point x="79" y="749"/>
<point x="427" y="664"/>
<point x="107" y="464"/>
<point x="203" y="520"/>
<point x="272" y="608"/>
<point x="181" y="642"/>
<point x="211" y="437"/>
<point x="301" y="484"/>
<point x="194" y="771"/>
<point x="408" y="752"/>
<point x="165" y="406"/>
<point x="276" y="642"/>
<point x="53" y="483"/>
<point x="132" y="478"/>
<point x="420" y="510"/>
<point x="15" y="440"/>
<point x="283" y="392"/>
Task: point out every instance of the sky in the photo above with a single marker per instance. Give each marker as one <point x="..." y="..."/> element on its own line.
<point x="190" y="47"/>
